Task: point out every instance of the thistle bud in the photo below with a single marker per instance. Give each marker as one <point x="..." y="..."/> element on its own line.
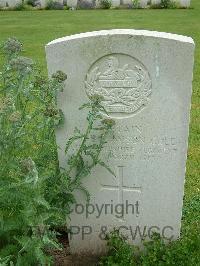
<point x="27" y="165"/>
<point x="59" y="76"/>
<point x="96" y="98"/>
<point x="109" y="123"/>
<point x="21" y="64"/>
<point x="2" y="106"/>
<point x="40" y="81"/>
<point x="12" y="46"/>
<point x="15" y="117"/>
<point x="51" y="111"/>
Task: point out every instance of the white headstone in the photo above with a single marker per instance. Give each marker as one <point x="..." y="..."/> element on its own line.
<point x="72" y="3"/>
<point x="43" y="3"/>
<point x="146" y="79"/>
<point x="143" y="3"/>
<point x="127" y="2"/>
<point x="115" y="3"/>
<point x="86" y="4"/>
<point x="184" y="3"/>
<point x="155" y="2"/>
<point x="97" y="3"/>
<point x="59" y="1"/>
<point x="10" y="3"/>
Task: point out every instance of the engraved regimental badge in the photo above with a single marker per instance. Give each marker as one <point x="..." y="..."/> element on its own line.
<point x="123" y="82"/>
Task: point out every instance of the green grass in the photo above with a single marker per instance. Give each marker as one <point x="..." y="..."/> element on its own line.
<point x="36" y="28"/>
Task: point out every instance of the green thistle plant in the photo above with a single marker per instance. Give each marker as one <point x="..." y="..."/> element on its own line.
<point x="88" y="156"/>
<point x="29" y="210"/>
<point x="12" y="47"/>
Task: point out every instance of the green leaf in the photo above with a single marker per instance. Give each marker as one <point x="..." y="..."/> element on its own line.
<point x="4" y="261"/>
<point x="85" y="191"/>
<point x="107" y="167"/>
<point x="47" y="241"/>
<point x="85" y="105"/>
<point x="71" y="141"/>
<point x="41" y="201"/>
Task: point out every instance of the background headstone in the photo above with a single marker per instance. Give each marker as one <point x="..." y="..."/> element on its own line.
<point x="184" y="3"/>
<point x="155" y="2"/>
<point x="127" y="2"/>
<point x="72" y="3"/>
<point x="146" y="78"/>
<point x="115" y="3"/>
<point x="10" y="3"/>
<point x="143" y="3"/>
<point x="42" y="3"/>
<point x="86" y="4"/>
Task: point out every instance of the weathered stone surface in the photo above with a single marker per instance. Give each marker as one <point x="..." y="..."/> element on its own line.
<point x="146" y="79"/>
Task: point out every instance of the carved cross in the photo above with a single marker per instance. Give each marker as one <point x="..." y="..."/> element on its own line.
<point x="121" y="188"/>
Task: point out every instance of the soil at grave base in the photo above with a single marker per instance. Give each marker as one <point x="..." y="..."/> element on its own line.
<point x="64" y="258"/>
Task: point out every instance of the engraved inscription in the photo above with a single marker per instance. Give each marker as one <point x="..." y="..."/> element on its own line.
<point x="120" y="187"/>
<point x="123" y="82"/>
<point x="131" y="142"/>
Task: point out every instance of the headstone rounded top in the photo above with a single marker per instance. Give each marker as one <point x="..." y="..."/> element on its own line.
<point x="133" y="32"/>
